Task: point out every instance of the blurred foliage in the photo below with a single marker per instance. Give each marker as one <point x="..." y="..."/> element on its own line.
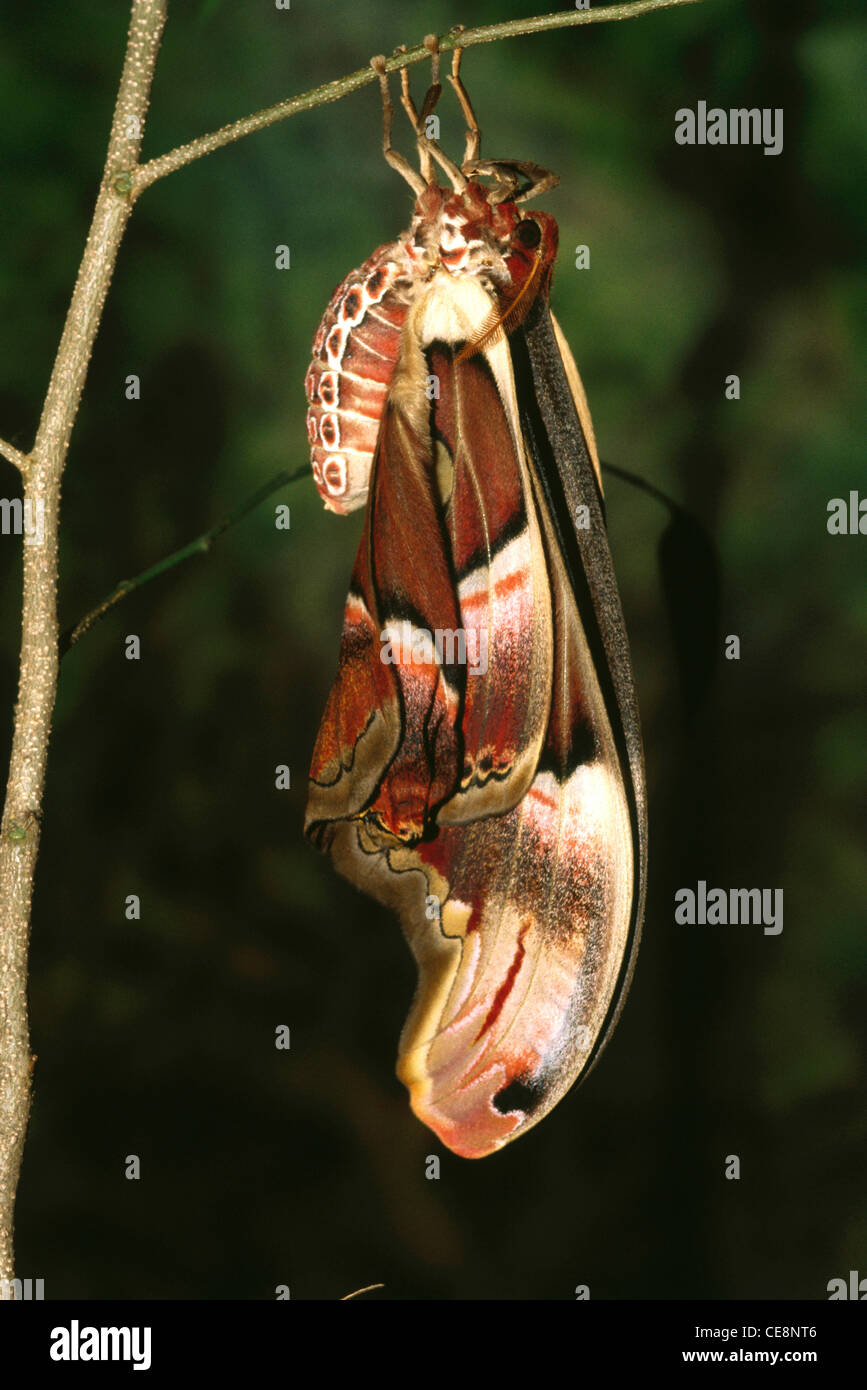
<point x="156" y="1037"/>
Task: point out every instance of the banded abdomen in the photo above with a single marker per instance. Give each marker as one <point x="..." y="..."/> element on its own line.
<point x="354" y="355"/>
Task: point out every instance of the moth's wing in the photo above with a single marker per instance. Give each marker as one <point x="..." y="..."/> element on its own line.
<point x="360" y="728"/>
<point x="451" y="554"/>
<point x="388" y="741"/>
<point x="537" y="920"/>
<point x="519" y="922"/>
<point x="547" y="901"/>
<point x="500" y="577"/>
<point x="579" y="396"/>
<point x="557" y="426"/>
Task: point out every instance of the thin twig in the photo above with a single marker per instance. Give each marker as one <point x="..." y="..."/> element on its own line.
<point x="368" y="1288"/>
<point x="200" y="546"/>
<point x="331" y="91"/>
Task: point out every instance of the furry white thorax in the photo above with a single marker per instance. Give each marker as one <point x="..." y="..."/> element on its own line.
<point x="451" y="309"/>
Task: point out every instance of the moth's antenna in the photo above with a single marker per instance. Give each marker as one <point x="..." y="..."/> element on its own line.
<point x="518" y="179"/>
<point x="473" y="144"/>
<point x="539" y="181"/>
<point x="393" y="157"/>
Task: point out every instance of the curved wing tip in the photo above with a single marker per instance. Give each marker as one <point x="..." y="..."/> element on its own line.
<point x="470" y="1130"/>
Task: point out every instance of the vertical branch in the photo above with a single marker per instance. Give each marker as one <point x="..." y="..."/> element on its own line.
<point x="42" y="470"/>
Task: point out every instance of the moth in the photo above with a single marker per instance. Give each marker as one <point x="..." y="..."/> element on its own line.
<point x="479" y="767"/>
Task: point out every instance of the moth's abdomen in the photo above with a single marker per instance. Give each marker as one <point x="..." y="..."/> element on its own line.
<point x="354" y="355"/>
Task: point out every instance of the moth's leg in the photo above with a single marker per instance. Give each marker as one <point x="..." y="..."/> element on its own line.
<point x="425" y="162"/>
<point x="393" y="157"/>
<point x="427" y="147"/>
<point x="434" y="91"/>
<point x="473" y="144"/>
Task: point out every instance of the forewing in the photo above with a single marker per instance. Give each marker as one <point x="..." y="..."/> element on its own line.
<point x="388" y="742"/>
<point x="500" y="579"/>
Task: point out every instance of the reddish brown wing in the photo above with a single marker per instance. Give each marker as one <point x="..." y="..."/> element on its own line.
<point x="516" y="901"/>
<point x="516" y="986"/>
<point x="442" y="695"/>
<point x="387" y="744"/>
<point x="501" y="581"/>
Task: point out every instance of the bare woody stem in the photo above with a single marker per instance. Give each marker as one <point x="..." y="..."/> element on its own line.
<point x="332" y="91"/>
<point x="37" y="688"/>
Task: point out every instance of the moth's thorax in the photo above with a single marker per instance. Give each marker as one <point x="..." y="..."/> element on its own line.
<point x="468" y="233"/>
<point x="450" y="309"/>
<point x="490" y="253"/>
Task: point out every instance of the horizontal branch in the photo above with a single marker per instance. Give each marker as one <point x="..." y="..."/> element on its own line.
<point x="200" y="546"/>
<point x="331" y="91"/>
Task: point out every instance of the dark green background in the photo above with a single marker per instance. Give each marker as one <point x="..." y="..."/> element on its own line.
<point x="156" y="1037"/>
